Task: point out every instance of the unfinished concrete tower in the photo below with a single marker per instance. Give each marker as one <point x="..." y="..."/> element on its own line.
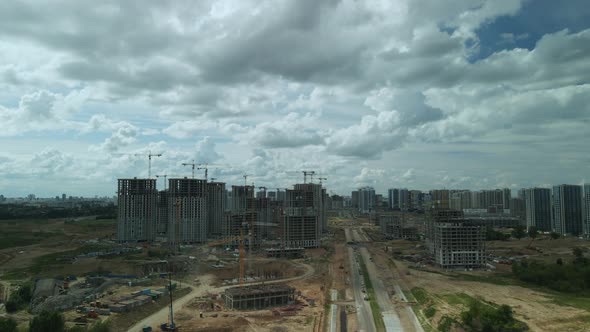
<point x="215" y="208"/>
<point x="137" y="210"/>
<point x="302" y="220"/>
<point x="187" y="211"/>
<point x="162" y="220"/>
<point x="455" y="241"/>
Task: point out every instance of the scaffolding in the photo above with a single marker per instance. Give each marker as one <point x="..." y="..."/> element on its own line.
<point x="258" y="296"/>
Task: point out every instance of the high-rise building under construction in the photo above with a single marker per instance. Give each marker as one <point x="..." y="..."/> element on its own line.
<point x="187" y="211"/>
<point x="137" y="210"/>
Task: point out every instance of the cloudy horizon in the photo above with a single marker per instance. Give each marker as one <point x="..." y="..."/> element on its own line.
<point x="405" y="93"/>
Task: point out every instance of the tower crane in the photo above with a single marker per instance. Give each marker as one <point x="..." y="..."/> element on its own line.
<point x="324" y="179"/>
<point x="206" y="167"/>
<point x="305" y="174"/>
<point x="149" y="155"/>
<point x="162" y="176"/>
<point x="246" y="179"/>
<point x="192" y="166"/>
<point x="240" y="240"/>
<point x="263" y="190"/>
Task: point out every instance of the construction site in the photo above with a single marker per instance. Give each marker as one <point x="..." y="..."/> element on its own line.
<point x="197" y="257"/>
<point x="258" y="297"/>
<point x="454" y="241"/>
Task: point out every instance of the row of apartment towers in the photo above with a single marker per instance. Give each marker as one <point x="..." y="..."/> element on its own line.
<point x="196" y="210"/>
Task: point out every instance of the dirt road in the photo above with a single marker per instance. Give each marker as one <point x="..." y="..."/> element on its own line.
<point x="162" y="315"/>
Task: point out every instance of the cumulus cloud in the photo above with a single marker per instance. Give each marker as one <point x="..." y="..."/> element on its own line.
<point x="271" y="86"/>
<point x="291" y="131"/>
<point x="205" y="151"/>
<point x="41" y="110"/>
<point x="370" y="138"/>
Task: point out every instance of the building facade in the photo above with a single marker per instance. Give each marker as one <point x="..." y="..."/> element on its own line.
<point x="366" y="199"/>
<point x="567" y="209"/>
<point x="187" y="211"/>
<point x="455" y="241"/>
<point x="215" y="208"/>
<point x="137" y="210"/>
<point x="538" y="209"/>
<point x="586" y="206"/>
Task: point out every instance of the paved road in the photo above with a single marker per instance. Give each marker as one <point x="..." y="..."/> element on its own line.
<point x="161" y="316"/>
<point x="333" y="310"/>
<point x="411" y="313"/>
<point x="363" y="308"/>
<point x="390" y="317"/>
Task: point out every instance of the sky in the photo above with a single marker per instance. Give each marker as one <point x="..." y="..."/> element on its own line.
<point x="423" y="94"/>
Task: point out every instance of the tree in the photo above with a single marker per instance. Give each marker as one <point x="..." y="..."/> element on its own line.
<point x="518" y="232"/>
<point x="8" y="325"/>
<point x="559" y="261"/>
<point x="48" y="321"/>
<point x="532" y="234"/>
<point x="555" y="235"/>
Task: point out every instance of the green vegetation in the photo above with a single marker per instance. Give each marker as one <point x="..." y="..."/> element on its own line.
<point x="445" y="323"/>
<point x="21" y="211"/>
<point x="101" y="326"/>
<point x="377" y="317"/>
<point x="570" y="300"/>
<point x="519" y="232"/>
<point x="480" y="317"/>
<point x="458" y="299"/>
<point x="573" y="277"/>
<point x="496" y="279"/>
<point x="429" y="312"/>
<point x="10" y="239"/>
<point x="20" y="299"/>
<point x="493" y="235"/>
<point x="8" y="324"/>
<point x="420" y="295"/>
<point x="48" y="321"/>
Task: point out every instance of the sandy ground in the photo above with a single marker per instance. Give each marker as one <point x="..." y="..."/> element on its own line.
<point x="532" y="307"/>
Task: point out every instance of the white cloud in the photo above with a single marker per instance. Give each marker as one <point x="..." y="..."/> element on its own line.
<point x="370" y="138"/>
<point x="339" y="86"/>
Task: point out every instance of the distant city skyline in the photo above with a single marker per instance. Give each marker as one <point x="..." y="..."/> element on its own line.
<point x="404" y="93"/>
<point x="160" y="186"/>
